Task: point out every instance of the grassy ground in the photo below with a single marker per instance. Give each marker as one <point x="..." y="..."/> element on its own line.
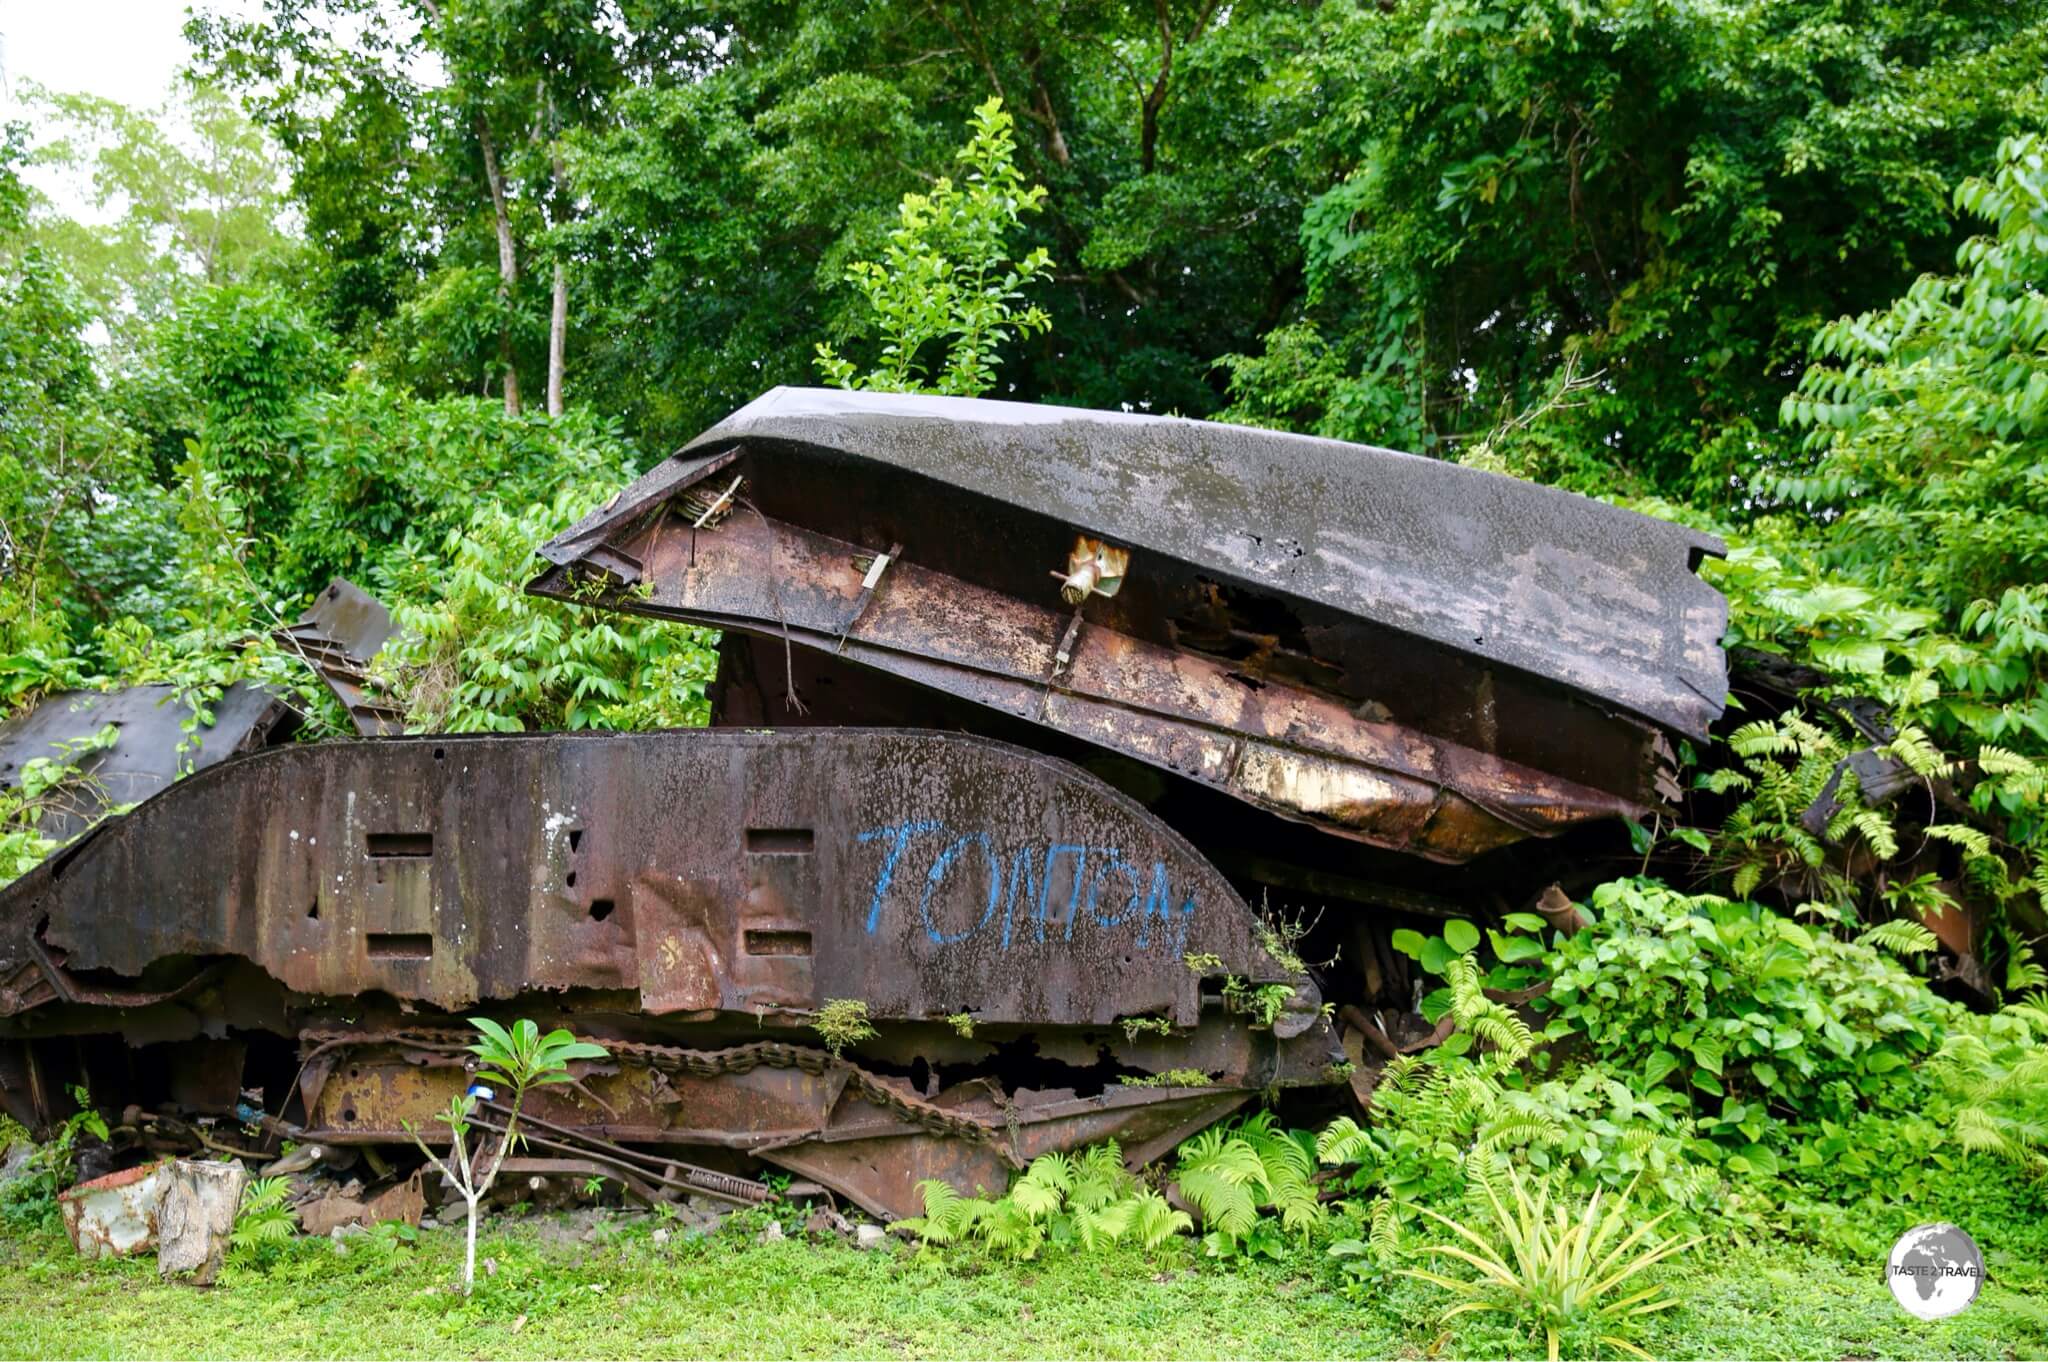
<point x="612" y="1291"/>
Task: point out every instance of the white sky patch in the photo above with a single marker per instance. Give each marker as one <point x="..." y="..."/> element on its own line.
<point x="126" y="50"/>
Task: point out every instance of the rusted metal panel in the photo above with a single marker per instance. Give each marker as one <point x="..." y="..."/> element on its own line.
<point x="740" y="873"/>
<point x="1552" y="585"/>
<point x="152" y="747"/>
<point x="116" y="1215"/>
<point x="337" y="637"/>
<point x="1282" y="747"/>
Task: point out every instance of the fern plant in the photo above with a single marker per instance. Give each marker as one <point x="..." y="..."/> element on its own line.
<point x="1785" y="764"/>
<point x="1088" y="1199"/>
<point x="263" y="1223"/>
<point x="1995" y="1073"/>
<point x="1232" y="1172"/>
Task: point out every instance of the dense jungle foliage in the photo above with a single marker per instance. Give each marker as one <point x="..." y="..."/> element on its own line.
<point x="395" y="289"/>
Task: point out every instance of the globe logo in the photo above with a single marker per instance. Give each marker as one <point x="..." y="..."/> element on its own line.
<point x="1934" y="1271"/>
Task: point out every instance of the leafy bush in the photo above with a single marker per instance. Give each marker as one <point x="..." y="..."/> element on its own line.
<point x="477" y="654"/>
<point x="247" y="355"/>
<point x="28" y="1200"/>
<point x="1735" y="1002"/>
<point x="947" y="287"/>
<point x="379" y="469"/>
<point x="1928" y="419"/>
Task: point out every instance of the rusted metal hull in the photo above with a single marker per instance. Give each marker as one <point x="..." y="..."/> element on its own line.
<point x="1524" y="578"/>
<point x="692" y="900"/>
<point x="1401" y="652"/>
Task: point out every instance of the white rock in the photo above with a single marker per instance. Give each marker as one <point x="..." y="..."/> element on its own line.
<point x="869" y="1236"/>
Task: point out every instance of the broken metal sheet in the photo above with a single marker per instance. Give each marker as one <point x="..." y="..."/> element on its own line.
<point x="151" y="750"/>
<point x="114" y="1216"/>
<point x="1524" y="578"/>
<point x="337" y="637"/>
<point x="1281" y="747"/>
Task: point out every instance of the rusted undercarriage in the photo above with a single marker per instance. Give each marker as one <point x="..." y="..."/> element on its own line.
<point x="692" y="900"/>
<point x="1163" y="671"/>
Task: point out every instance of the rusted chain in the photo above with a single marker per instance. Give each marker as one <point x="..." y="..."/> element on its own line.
<point x="736" y="1059"/>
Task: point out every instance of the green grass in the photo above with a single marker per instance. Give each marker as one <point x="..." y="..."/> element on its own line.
<point x="622" y="1295"/>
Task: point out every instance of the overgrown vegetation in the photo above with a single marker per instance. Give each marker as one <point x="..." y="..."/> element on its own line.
<point x="842" y="1022"/>
<point x="614" y="1294"/>
<point x="28" y="1200"/>
<point x="1774" y="270"/>
<point x="1088" y="1200"/>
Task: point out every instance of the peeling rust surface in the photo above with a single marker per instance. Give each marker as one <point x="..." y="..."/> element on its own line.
<point x="1282" y="747"/>
<point x="868" y="1136"/>
<point x="689" y="899"/>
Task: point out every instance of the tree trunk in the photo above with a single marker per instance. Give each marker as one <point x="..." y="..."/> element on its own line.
<point x="558" y="317"/>
<point x="558" y="339"/>
<point x="508" y="263"/>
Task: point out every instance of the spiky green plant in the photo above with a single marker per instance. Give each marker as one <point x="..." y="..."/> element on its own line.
<point x="1540" y="1261"/>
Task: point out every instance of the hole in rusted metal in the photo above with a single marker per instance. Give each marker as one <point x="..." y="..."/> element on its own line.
<point x="780" y="841"/>
<point x="395" y="845"/>
<point x="777" y="943"/>
<point x="572" y="879"/>
<point x="438" y="754"/>
<point x="575" y="839"/>
<point x="600" y="909"/>
<point x="348" y="1114"/>
<point x="399" y="945"/>
<point x="313" y="912"/>
<point x="1265" y="634"/>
